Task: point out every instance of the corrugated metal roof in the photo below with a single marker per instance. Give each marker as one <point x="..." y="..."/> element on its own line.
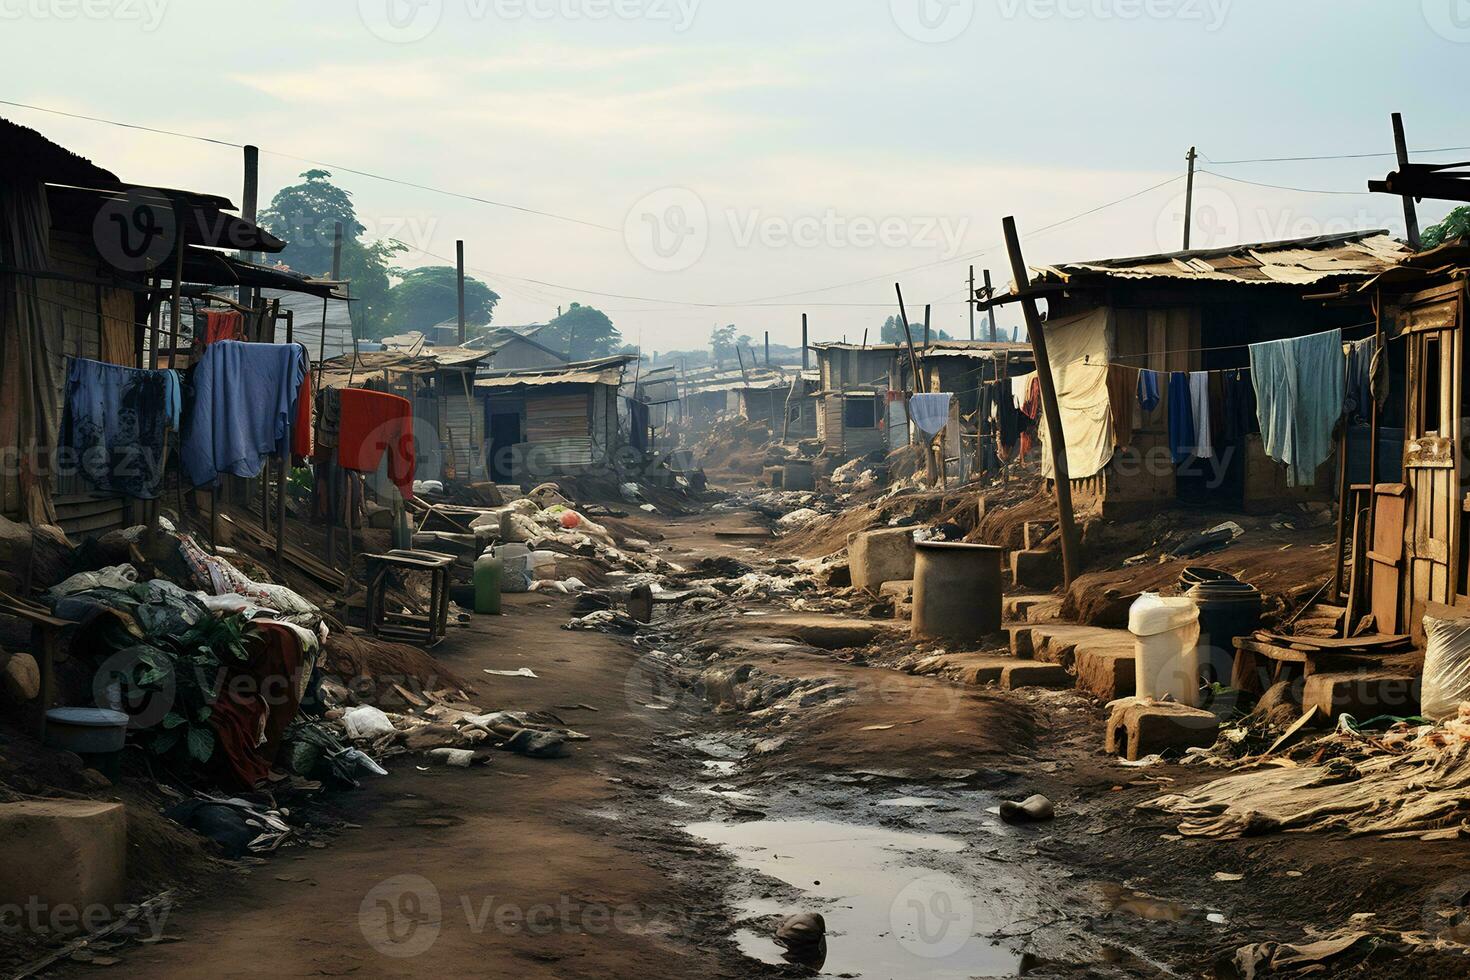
<point x="1302" y="261"/>
<point x="608" y="371"/>
<point x="381" y="365"/>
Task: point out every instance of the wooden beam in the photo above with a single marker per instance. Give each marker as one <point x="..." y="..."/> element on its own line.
<point x="1056" y="438"/>
<point x="908" y="339"/>
<point x="1411" y="214"/>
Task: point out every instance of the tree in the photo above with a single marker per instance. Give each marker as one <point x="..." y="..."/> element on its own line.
<point x="722" y="343"/>
<point x="429" y="296"/>
<point x="1456" y="224"/>
<point x="585" y="333"/>
<point x="893" y="332"/>
<point x="305" y="217"/>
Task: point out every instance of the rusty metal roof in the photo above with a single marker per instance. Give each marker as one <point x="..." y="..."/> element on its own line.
<point x="1302" y="261"/>
<point x="607" y="371"/>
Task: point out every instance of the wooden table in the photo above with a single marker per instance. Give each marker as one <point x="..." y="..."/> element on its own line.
<point x="46" y="634"/>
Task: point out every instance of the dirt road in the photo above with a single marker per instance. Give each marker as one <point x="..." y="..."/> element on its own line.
<point x="746" y="763"/>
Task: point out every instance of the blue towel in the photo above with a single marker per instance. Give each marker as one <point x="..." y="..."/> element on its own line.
<point x="244" y="398"/>
<point x="1148" y="390"/>
<point x="1299" y="399"/>
<point x="930" y="413"/>
<point x="114" y="422"/>
<point x="1181" y="417"/>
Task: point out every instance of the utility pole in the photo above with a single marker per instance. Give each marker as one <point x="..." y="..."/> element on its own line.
<point x="972" y="302"/>
<point x="1411" y="214"/>
<point x="805" y="355"/>
<point x="459" y="259"/>
<point x="928" y="312"/>
<point x="1056" y="439"/>
<point x="250" y="203"/>
<point x="908" y="337"/>
<point x="1189" y="198"/>
<point x="768" y="348"/>
<point x="990" y="295"/>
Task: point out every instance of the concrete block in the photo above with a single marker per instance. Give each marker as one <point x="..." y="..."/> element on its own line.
<point x="1036" y="569"/>
<point x="885" y="555"/>
<point x="967" y="668"/>
<point x="1035" y="532"/>
<point x="1022" y="646"/>
<point x="1107" y="673"/>
<point x="1363" y="694"/>
<point x="63" y="853"/>
<point x="1035" y="675"/>
<point x="1140" y="727"/>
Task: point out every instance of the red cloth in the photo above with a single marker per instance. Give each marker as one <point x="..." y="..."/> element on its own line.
<point x="223" y="325"/>
<point x="301" y="425"/>
<point x="256" y="703"/>
<point x="373" y="423"/>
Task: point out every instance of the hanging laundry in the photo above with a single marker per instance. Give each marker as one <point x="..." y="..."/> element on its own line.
<point x="302" y="430"/>
<point x="1199" y="410"/>
<point x="245" y="398"/>
<point x="115" y="420"/>
<point x="1148" y="390"/>
<point x="1181" y="417"/>
<point x="1299" y="387"/>
<point x="1008" y="416"/>
<point x="1239" y="409"/>
<point x="372" y="423"/>
<point x="1123" y="382"/>
<point x="1080" y="348"/>
<point x="1358" y="399"/>
<point x="1022" y="386"/>
<point x="223" y="325"/>
<point x="930" y="413"/>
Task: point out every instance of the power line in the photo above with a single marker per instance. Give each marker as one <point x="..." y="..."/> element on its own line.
<point x="317" y="163"/>
<point x="1334" y="156"/>
<point x="1283" y="187"/>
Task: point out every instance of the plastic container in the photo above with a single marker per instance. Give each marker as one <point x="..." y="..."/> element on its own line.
<point x="86" y="731"/>
<point x="489" y="571"/>
<point x="1166" y="648"/>
<point x="514" y="576"/>
<point x="957" y="590"/>
<point x="1228" y="608"/>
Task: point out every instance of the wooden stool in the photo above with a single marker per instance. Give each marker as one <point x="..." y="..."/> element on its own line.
<point x="426" y="630"/>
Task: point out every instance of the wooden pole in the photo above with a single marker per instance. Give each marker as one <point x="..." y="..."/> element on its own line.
<point x="908" y="338"/>
<point x="1411" y="214"/>
<point x="459" y="258"/>
<point x="928" y="314"/>
<point x="1344" y="492"/>
<point x="768" y="348"/>
<point x="990" y="295"/>
<point x="1056" y="438"/>
<point x="248" y="208"/>
<point x="805" y="354"/>
<point x="1189" y="198"/>
<point x="972" y="302"/>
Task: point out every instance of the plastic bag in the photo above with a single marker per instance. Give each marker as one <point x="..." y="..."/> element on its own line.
<point x="1446" y="667"/>
<point x="119" y="577"/>
<point x="367" y="722"/>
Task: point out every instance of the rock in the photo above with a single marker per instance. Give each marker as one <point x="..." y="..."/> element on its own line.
<point x="1035" y="809"/>
<point x="1140" y="727"/>
<point x="22" y="677"/>
<point x="640" y="604"/>
<point x="58" y="853"/>
<point x="802" y="931"/>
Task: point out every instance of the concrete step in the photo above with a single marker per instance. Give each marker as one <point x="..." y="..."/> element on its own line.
<point x="1363" y="694"/>
<point x="1015" y="607"/>
<point x="1019" y="675"/>
<point x="1036" y="569"/>
<point x="1057" y="643"/>
<point x="967" y="668"/>
<point x="1107" y="672"/>
<point x="1140" y="727"/>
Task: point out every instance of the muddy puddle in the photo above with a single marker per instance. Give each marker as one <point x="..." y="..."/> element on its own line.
<point x="896" y="903"/>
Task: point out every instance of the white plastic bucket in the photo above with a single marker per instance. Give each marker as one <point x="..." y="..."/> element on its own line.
<point x="1165" y="644"/>
<point x="517" y="558"/>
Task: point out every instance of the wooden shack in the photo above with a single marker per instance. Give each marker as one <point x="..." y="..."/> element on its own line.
<point x="1198" y="311"/>
<point x="856" y="416"/>
<point x="545" y="423"/>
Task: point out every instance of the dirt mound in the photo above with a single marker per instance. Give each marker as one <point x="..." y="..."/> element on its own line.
<point x="348" y="657"/>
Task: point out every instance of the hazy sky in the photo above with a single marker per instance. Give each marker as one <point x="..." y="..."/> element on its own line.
<point x="730" y="161"/>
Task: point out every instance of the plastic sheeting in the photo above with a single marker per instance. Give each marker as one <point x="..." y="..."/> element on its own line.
<point x="1079" y="348"/>
<point x="1446" y="667"/>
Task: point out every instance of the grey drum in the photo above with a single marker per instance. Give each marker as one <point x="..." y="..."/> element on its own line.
<point x="957" y="590"/>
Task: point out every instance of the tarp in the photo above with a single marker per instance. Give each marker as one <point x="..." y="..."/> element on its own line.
<point x="1079" y="348"/>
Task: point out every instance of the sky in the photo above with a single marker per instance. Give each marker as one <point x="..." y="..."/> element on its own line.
<point x="685" y="164"/>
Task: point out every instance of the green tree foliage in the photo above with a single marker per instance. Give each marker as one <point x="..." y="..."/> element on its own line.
<point x="1455" y="225"/>
<point x="584" y="333"/>
<point x="722" y="343"/>
<point x="429" y="296"/>
<point x="305" y="217"/>
<point x="893" y="332"/>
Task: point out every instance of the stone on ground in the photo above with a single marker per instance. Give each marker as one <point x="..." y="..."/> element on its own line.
<point x="1140" y="727"/>
<point x="63" y="853"/>
<point x="1363" y="694"/>
<point x="885" y="555"/>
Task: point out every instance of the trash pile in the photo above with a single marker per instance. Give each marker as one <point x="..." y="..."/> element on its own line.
<point x="1411" y="780"/>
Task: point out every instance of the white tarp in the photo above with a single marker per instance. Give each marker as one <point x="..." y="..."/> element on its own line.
<point x="1079" y="348"/>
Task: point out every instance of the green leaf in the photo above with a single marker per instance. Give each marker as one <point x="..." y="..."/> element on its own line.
<point x="203" y="713"/>
<point x="173" y="720"/>
<point x="165" y="741"/>
<point x="201" y="743"/>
